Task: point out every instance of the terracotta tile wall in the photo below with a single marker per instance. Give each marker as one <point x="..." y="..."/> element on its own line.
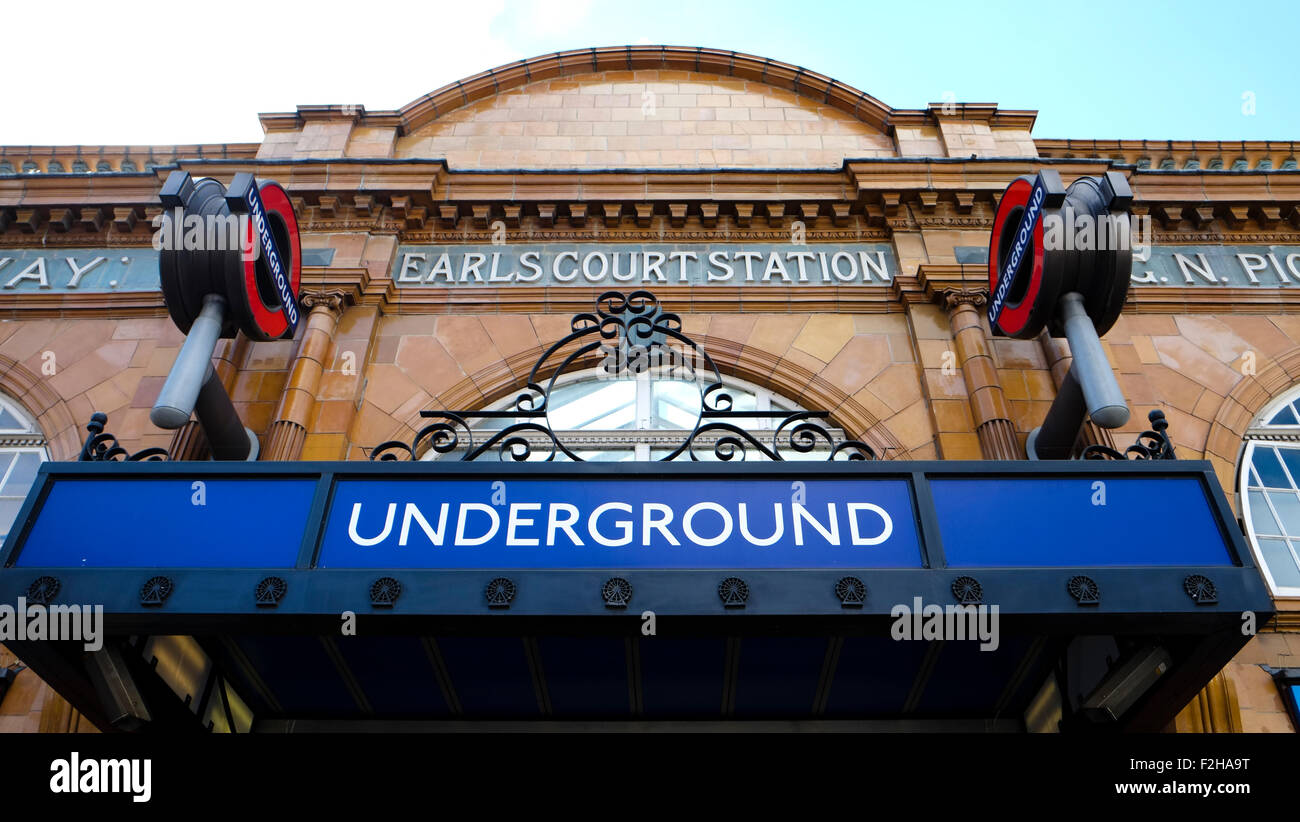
<point x="1262" y="710"/>
<point x="419" y="361"/>
<point x="605" y="120"/>
<point x="1193" y="368"/>
<point x="113" y="366"/>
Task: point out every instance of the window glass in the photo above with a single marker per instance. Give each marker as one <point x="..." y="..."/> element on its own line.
<point x="19" y="460"/>
<point x="1287" y="506"/>
<point x="1269" y="469"/>
<point x="1291" y="459"/>
<point x="1269" y="495"/>
<point x="1281" y="561"/>
<point x="9" y="421"/>
<point x="1261" y="515"/>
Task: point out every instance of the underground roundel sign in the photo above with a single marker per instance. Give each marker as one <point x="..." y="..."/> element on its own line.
<point x="264" y="293"/>
<point x="239" y="243"/>
<point x="1024" y="280"/>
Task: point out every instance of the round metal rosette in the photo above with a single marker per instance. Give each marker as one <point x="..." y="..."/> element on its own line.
<point x="500" y="592"/>
<point x="1201" y="589"/>
<point x="851" y="592"/>
<point x="733" y="592"/>
<point x="270" y="591"/>
<point x="967" y="591"/>
<point x="617" y="592"/>
<point x="384" y="592"/>
<point x="43" y="590"/>
<point x="1084" y="590"/>
<point x="155" y="591"/>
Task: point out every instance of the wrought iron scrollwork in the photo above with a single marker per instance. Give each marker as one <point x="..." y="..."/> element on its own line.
<point x="629" y="334"/>
<point x="103" y="447"/>
<point x="1154" y="444"/>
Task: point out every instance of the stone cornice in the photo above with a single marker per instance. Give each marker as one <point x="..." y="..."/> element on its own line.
<point x="427" y="196"/>
<point x="939" y="282"/>
<point x="40" y="305"/>
<point x="346" y="285"/>
<point x="1131" y="152"/>
<point x="685" y="299"/>
<point x="102" y="160"/>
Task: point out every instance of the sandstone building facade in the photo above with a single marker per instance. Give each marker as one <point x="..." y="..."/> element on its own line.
<point x="673" y="150"/>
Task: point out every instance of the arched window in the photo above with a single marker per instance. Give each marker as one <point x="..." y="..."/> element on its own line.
<point x="643" y="418"/>
<point x="22" y="450"/>
<point x="1269" y="489"/>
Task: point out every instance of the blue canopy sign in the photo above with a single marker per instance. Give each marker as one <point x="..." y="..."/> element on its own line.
<point x="539" y="516"/>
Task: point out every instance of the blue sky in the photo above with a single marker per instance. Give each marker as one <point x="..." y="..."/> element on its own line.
<point x="1158" y="70"/>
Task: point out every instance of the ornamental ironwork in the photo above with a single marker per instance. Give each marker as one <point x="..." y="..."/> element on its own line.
<point x="733" y="592"/>
<point x="43" y="590"/>
<point x="103" y="447"/>
<point x="967" y="590"/>
<point x="1201" y="589"/>
<point x="1084" y="590"/>
<point x="155" y="591"/>
<point x="851" y="591"/>
<point x="629" y="335"/>
<point x="270" y="591"/>
<point x="1153" y="444"/>
<point x="384" y="592"/>
<point x="617" y="592"/>
<point x="500" y="592"/>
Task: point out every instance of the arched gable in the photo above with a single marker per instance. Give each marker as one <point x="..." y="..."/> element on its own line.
<point x="646" y="118"/>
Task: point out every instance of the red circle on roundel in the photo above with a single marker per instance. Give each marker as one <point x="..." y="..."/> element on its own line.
<point x="1014" y="318"/>
<point x="271" y="321"/>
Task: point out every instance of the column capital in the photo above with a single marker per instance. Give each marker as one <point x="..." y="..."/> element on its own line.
<point x="955" y="297"/>
<point x="332" y="300"/>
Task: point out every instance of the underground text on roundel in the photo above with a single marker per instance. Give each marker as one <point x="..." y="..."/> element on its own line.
<point x="660" y="523"/>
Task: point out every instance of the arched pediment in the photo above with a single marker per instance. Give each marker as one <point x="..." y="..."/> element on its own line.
<point x="645" y="118"/>
<point x="646" y="107"/>
<point x="611" y="108"/>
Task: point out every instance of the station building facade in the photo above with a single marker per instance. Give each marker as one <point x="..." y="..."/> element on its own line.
<point x="827" y="250"/>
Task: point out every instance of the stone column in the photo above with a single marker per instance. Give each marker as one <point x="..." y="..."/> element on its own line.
<point x="289" y="428"/>
<point x="189" y="443"/>
<point x="988" y="402"/>
<point x="1059" y="358"/>
<point x="1214" y="710"/>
